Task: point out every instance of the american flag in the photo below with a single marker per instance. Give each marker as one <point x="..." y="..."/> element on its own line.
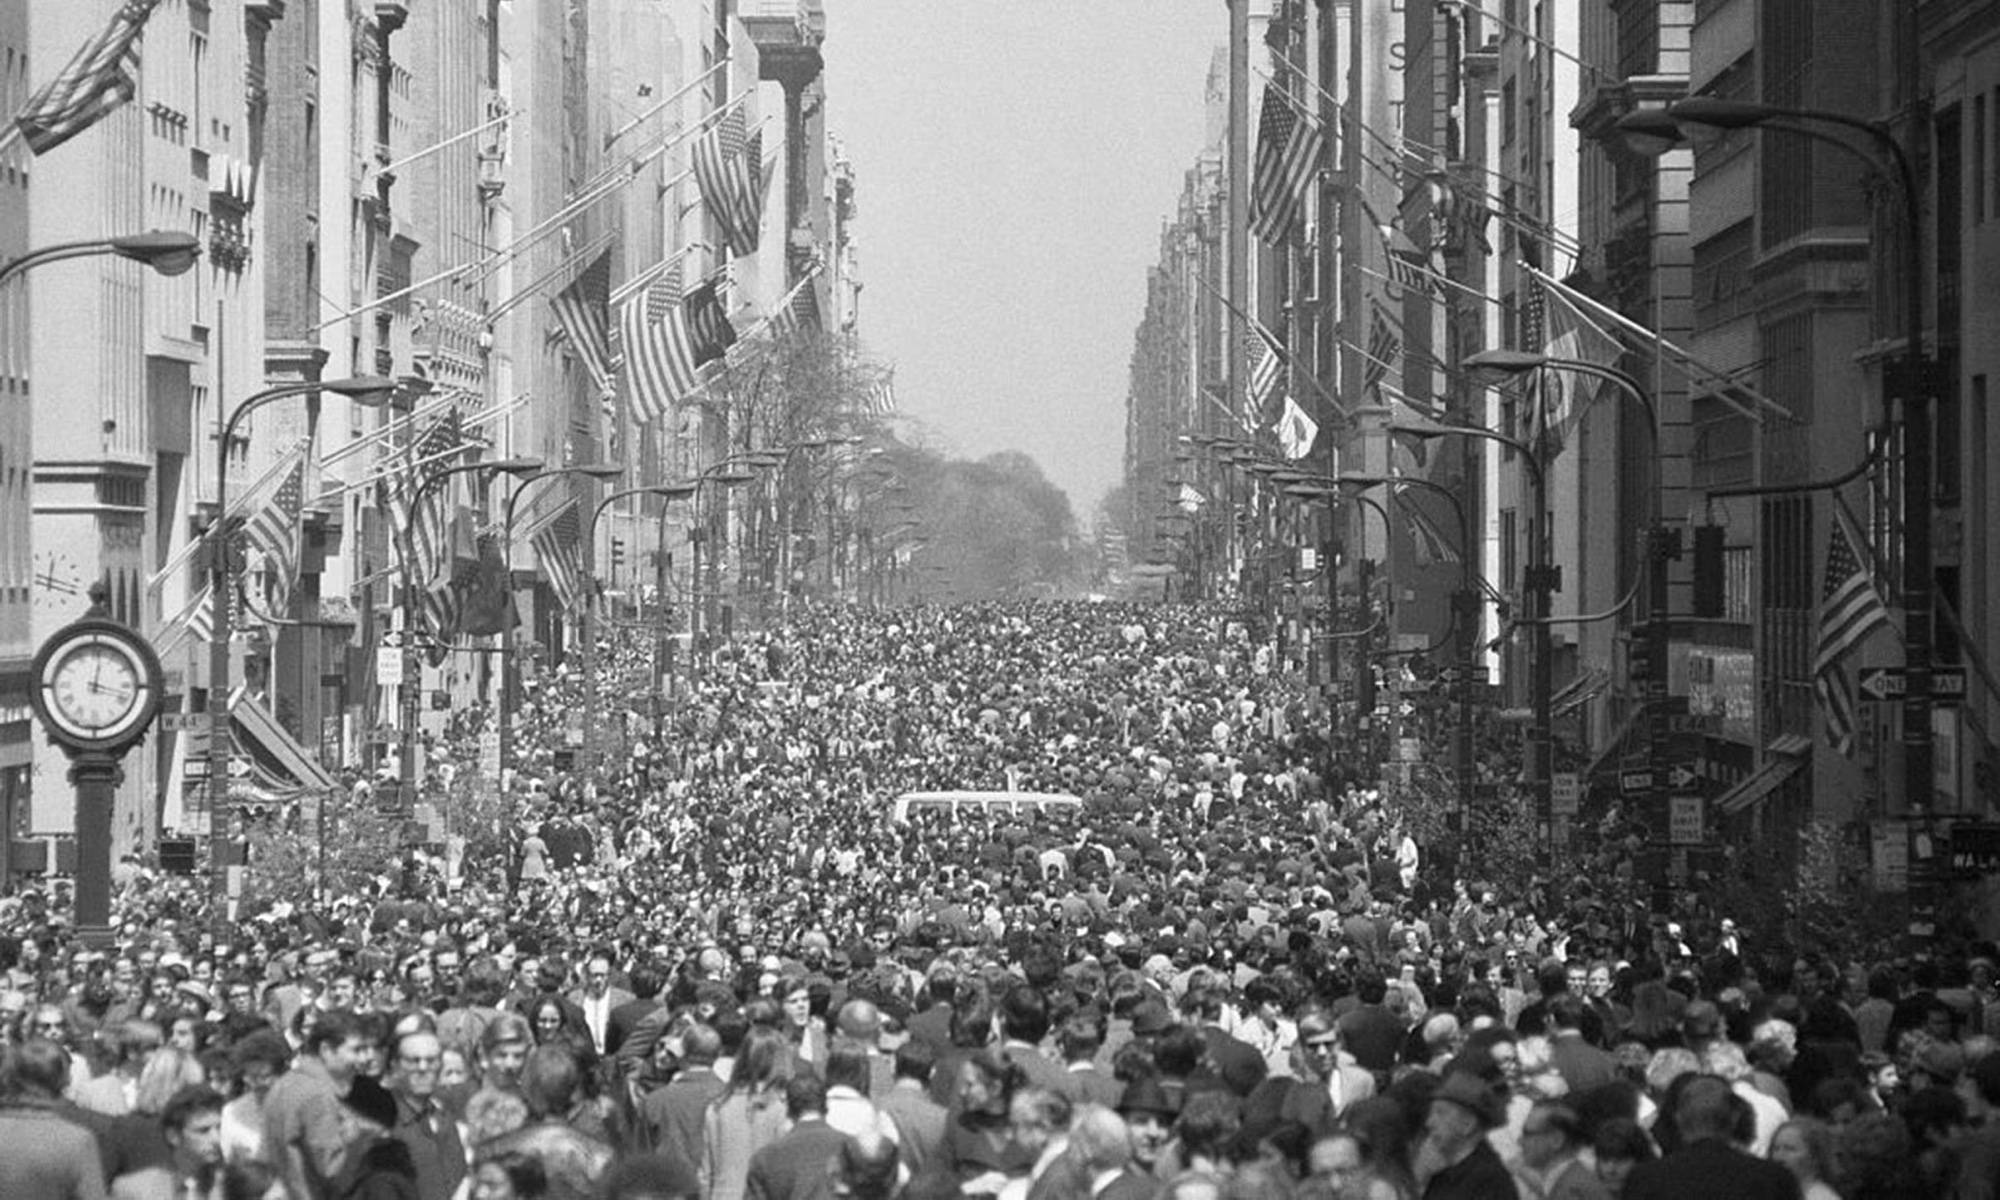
<point x="558" y="544"/>
<point x="696" y="332"/>
<point x="799" y="313"/>
<point x="1850" y="609"/>
<point x="425" y="536"/>
<point x="1290" y="153"/>
<point x="274" y="531"/>
<point x="1385" y="345"/>
<point x="1564" y="395"/>
<point x="642" y="322"/>
<point x="1266" y="360"/>
<point x="1296" y="430"/>
<point x="579" y="309"/>
<point x="96" y="81"/>
<point x="881" y="400"/>
<point x="444" y="603"/>
<point x="729" y="170"/>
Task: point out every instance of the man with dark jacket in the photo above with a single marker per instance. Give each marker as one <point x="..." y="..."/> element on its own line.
<point x="46" y="1153"/>
<point x="1707" y="1164"/>
<point x="672" y="1116"/>
<point x="801" y="1164"/>
<point x="647" y="983"/>
<point x="1371" y="1033"/>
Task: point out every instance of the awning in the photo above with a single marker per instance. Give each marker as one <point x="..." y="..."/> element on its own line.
<point x="267" y="740"/>
<point x="1784" y="758"/>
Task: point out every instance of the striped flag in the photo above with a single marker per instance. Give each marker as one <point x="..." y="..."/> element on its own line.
<point x="274" y="531"/>
<point x="1267" y="367"/>
<point x="729" y="170"/>
<point x="579" y="309"/>
<point x="1290" y="154"/>
<point x="799" y="313"/>
<point x="1385" y="346"/>
<point x="881" y="400"/>
<point x="558" y="544"/>
<point x="1850" y="609"/>
<point x="425" y="536"/>
<point x="648" y="351"/>
<point x="445" y="601"/>
<point x="96" y="81"/>
<point x="696" y="332"/>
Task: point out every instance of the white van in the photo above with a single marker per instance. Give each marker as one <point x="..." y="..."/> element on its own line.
<point x="1014" y="803"/>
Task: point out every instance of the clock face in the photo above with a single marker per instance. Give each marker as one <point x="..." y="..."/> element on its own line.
<point x="59" y="582"/>
<point x="96" y="687"/>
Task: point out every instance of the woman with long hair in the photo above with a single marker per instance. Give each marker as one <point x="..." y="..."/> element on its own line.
<point x="748" y="1116"/>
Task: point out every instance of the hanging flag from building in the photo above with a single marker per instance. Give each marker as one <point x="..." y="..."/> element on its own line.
<point x="798" y="313"/>
<point x="96" y="81"/>
<point x="1432" y="546"/>
<point x="729" y="171"/>
<point x="646" y="346"/>
<point x="1296" y="430"/>
<point x="558" y="543"/>
<point x="1850" y="609"/>
<point x="881" y="397"/>
<point x="697" y="333"/>
<point x="274" y="531"/>
<point x="1562" y="396"/>
<point x="1266" y="358"/>
<point x="1385" y="346"/>
<point x="1290" y="155"/>
<point x="1189" y="498"/>
<point x="423" y="531"/>
<point x="580" y="311"/>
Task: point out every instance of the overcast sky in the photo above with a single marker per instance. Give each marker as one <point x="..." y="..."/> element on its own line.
<point x="1013" y="161"/>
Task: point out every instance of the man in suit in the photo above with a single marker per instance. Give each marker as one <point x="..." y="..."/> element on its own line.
<point x="1552" y="1144"/>
<point x="858" y="1023"/>
<point x="1024" y="1021"/>
<point x="1080" y="1038"/>
<point x="1371" y="1033"/>
<point x="801" y="1164"/>
<point x="647" y="983"/>
<point x="1329" y="1081"/>
<point x="921" y="1123"/>
<point x="597" y="998"/>
<point x="673" y="1114"/>
<point x="1231" y="1061"/>
<point x="1582" y="1065"/>
<point x="1707" y="1164"/>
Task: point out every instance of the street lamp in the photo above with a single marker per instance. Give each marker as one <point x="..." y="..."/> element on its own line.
<point x="369" y="391"/>
<point x="410" y="694"/>
<point x="1538" y="586"/>
<point x="509" y="672"/>
<point x="1913" y="379"/>
<point x="169" y="252"/>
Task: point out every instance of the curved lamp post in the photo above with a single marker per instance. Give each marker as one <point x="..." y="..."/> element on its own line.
<point x="1913" y="379"/>
<point x="410" y="695"/>
<point x="169" y="252"/>
<point x="1537" y="586"/>
<point x="370" y="391"/>
<point x="510" y="673"/>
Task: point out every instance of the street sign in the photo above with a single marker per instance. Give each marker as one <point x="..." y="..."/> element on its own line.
<point x="1684" y="820"/>
<point x="1565" y="792"/>
<point x="180" y="722"/>
<point x="389" y="666"/>
<point x="1635" y="781"/>
<point x="1681" y="776"/>
<point x="489" y="754"/>
<point x="1889" y="683"/>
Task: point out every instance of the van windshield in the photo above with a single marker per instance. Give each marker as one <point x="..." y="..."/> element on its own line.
<point x="1008" y="802"/>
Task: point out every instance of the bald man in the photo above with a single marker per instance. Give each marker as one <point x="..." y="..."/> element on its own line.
<point x="859" y="1024"/>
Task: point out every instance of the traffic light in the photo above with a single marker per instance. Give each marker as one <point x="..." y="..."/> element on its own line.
<point x="1641" y="661"/>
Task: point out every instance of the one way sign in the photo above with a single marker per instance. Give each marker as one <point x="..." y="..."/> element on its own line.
<point x="1889" y="683"/>
<point x="1681" y="777"/>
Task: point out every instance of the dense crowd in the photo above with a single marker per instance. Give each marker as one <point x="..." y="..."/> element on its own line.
<point x="713" y="964"/>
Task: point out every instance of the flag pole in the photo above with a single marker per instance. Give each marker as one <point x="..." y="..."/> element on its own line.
<point x="1284" y="353"/>
<point x="611" y="138"/>
<point x="453" y="140"/>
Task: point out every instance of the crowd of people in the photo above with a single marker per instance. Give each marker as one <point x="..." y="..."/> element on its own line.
<point x="706" y="961"/>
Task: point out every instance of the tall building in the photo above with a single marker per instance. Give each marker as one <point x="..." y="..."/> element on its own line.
<point x="21" y="569"/>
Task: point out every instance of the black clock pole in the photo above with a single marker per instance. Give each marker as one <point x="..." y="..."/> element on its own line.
<point x="96" y="776"/>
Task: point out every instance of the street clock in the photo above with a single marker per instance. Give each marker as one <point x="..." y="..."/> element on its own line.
<point x="97" y="685"/>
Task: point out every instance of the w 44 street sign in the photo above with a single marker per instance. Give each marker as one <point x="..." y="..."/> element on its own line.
<point x="1890" y="683"/>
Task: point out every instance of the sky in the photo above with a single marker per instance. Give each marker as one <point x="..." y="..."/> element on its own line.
<point x="1013" y="162"/>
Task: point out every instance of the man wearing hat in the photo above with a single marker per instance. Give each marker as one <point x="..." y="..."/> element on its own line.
<point x="1149" y="1113"/>
<point x="1708" y="1164"/>
<point x="1454" y="1161"/>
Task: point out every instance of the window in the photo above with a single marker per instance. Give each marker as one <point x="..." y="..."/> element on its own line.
<point x="1507" y="113"/>
<point x="1510" y="552"/>
<point x="1976" y="184"/>
<point x="1737" y="602"/>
